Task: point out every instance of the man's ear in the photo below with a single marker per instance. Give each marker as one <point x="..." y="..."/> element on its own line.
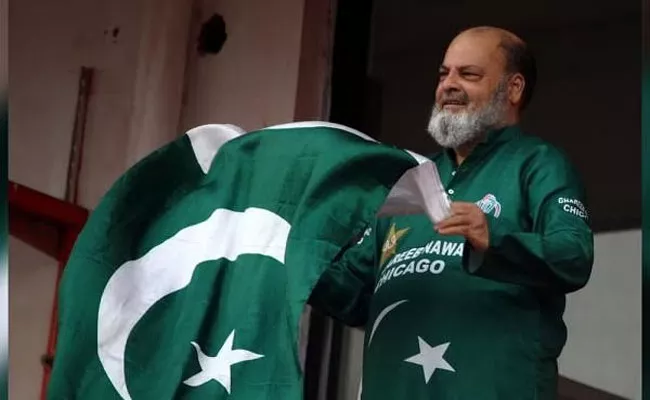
<point x="516" y="87"/>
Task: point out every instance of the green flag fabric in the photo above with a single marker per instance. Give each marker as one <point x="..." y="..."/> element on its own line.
<point x="190" y="277"/>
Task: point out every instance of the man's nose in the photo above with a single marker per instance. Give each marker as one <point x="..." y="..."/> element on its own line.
<point x="449" y="83"/>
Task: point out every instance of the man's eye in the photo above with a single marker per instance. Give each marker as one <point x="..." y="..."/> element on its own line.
<point x="471" y="75"/>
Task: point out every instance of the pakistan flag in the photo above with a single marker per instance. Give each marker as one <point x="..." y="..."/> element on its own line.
<point x="190" y="277"/>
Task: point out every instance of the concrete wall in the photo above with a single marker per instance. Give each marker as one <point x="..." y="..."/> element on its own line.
<point x="140" y="52"/>
<point x="252" y="82"/>
<point x="604" y="320"/>
<point x="137" y="49"/>
<point x="159" y="77"/>
<point x="49" y="42"/>
<point x="31" y="288"/>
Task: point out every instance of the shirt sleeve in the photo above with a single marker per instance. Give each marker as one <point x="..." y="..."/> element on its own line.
<point x="557" y="254"/>
<point x="344" y="290"/>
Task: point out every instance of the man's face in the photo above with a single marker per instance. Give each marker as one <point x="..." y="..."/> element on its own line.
<point x="471" y="96"/>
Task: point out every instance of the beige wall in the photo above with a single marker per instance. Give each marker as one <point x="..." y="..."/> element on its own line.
<point x="136" y="106"/>
<point x="252" y="82"/>
<point x="49" y="42"/>
<point x="31" y="288"/>
<point x="159" y="77"/>
<point x="136" y="95"/>
<point x="604" y="319"/>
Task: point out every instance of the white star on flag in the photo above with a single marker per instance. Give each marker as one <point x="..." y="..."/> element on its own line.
<point x="218" y="367"/>
<point x="430" y="358"/>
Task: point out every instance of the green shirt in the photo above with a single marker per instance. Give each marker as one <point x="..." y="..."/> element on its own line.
<point x="444" y="322"/>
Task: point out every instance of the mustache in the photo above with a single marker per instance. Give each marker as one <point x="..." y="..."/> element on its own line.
<point x="453" y="97"/>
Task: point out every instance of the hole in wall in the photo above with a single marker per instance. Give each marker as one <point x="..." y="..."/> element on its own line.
<point x="212" y="35"/>
<point x="112" y="34"/>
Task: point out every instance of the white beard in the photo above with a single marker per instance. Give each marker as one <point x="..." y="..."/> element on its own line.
<point x="453" y="129"/>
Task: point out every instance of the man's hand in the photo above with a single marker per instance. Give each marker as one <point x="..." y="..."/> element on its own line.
<point x="467" y="220"/>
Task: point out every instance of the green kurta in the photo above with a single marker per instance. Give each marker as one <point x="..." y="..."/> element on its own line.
<point x="443" y="322"/>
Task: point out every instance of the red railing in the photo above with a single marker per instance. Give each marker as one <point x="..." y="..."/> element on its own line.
<point x="50" y="225"/>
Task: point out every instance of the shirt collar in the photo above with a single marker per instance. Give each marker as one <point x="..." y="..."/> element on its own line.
<point x="492" y="140"/>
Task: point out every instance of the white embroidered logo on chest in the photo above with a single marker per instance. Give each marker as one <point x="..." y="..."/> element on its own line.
<point x="488" y="204"/>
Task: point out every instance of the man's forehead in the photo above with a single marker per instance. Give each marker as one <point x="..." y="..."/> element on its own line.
<point x="474" y="50"/>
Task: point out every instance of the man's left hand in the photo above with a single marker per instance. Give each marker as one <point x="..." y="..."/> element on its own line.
<point x="469" y="221"/>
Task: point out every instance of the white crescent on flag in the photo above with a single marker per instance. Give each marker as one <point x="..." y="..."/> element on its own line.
<point x="138" y="285"/>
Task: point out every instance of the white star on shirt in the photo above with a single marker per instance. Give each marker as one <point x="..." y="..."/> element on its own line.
<point x="218" y="367"/>
<point x="430" y="358"/>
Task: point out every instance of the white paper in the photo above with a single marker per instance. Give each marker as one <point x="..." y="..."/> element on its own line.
<point x="418" y="191"/>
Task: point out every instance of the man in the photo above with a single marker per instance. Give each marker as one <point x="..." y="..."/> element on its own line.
<point x="471" y="308"/>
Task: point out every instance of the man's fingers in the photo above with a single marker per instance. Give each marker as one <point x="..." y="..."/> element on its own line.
<point x="460" y="207"/>
<point x="454" y="220"/>
<point x="459" y="230"/>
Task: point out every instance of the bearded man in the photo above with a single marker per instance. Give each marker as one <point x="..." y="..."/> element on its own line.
<point x="472" y="308"/>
